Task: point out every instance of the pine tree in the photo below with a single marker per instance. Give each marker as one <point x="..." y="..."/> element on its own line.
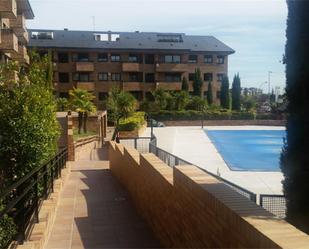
<point x="209" y="94"/>
<point x="225" y="93"/>
<point x="197" y="83"/>
<point x="185" y="85"/>
<point x="295" y="156"/>
<point x="236" y="91"/>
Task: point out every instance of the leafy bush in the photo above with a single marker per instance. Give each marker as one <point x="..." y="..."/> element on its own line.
<point x="133" y="122"/>
<point x="8" y="229"/>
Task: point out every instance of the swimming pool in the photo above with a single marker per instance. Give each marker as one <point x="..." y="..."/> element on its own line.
<point x="250" y="150"/>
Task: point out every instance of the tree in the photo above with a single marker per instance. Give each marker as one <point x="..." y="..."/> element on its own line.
<point x="181" y="99"/>
<point x="120" y="105"/>
<point x="185" y="85"/>
<point x="225" y="93"/>
<point x="209" y="94"/>
<point x="236" y="92"/>
<point x="197" y="83"/>
<point x="62" y="104"/>
<point x="81" y="102"/>
<point x="272" y="97"/>
<point x="160" y="97"/>
<point x="295" y="156"/>
<point x="197" y="103"/>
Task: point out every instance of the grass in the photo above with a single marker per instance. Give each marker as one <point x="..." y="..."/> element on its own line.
<point x="77" y="136"/>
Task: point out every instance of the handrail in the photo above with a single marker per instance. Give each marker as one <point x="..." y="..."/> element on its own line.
<point x="22" y="199"/>
<point x="83" y="141"/>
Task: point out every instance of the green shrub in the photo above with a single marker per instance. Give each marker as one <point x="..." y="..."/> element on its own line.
<point x="133" y="122"/>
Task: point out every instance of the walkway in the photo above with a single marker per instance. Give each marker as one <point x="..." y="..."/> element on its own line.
<point x="95" y="212"/>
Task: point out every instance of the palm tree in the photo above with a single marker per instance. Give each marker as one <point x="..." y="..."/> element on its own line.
<point x="120" y="105"/>
<point x="81" y="102"/>
<point x="160" y="97"/>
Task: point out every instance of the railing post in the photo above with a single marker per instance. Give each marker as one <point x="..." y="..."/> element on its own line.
<point x="52" y="174"/>
<point x="45" y="180"/>
<point x="176" y="161"/>
<point x="36" y="208"/>
<point x="135" y="143"/>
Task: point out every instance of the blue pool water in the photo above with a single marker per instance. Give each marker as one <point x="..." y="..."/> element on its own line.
<point x="252" y="150"/>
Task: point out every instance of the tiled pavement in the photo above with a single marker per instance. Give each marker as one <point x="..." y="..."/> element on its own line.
<point x="95" y="212"/>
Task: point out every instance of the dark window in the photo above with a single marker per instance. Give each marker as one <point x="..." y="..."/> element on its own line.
<point x="220" y="76"/>
<point x="64" y="95"/>
<point x="220" y="59"/>
<point x="82" y="77"/>
<point x="63" y="57"/>
<point x="133" y="77"/>
<point x="208" y="59"/>
<point x="149" y="59"/>
<point x="149" y="96"/>
<point x="102" y="57"/>
<point x="116" y="76"/>
<point x="208" y="77"/>
<point x="149" y="77"/>
<point x="102" y="96"/>
<point x="103" y="76"/>
<point x="218" y="94"/>
<point x="172" y="77"/>
<point x="172" y="59"/>
<point x="82" y="57"/>
<point x="137" y="95"/>
<point x="133" y="58"/>
<point x="191" y="76"/>
<point x="64" y="77"/>
<point x="115" y="57"/>
<point x="192" y="58"/>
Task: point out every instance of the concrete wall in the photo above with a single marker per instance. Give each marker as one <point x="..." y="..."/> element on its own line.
<point x="185" y="207"/>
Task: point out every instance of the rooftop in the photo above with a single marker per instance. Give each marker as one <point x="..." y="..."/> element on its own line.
<point x="125" y="40"/>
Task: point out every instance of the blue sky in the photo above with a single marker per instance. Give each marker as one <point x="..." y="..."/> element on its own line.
<point x="254" y="28"/>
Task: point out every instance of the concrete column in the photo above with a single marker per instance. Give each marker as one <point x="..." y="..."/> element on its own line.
<point x="70" y="140"/>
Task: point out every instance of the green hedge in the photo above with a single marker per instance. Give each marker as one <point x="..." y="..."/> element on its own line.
<point x="136" y="121"/>
<point x="197" y="115"/>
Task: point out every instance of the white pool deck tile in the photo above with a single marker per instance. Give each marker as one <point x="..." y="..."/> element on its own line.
<point x="193" y="145"/>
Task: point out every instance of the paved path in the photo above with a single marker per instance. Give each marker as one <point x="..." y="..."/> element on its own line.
<point x="96" y="212"/>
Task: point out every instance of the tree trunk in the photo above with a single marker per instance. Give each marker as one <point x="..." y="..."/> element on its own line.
<point x="85" y="122"/>
<point x="80" y="122"/>
<point x="116" y="130"/>
<point x="295" y="156"/>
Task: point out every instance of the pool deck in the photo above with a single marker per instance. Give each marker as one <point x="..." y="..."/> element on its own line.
<point x="192" y="144"/>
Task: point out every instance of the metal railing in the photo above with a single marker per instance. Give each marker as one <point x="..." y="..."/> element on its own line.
<point x="139" y="143"/>
<point x="275" y="204"/>
<point x="22" y="200"/>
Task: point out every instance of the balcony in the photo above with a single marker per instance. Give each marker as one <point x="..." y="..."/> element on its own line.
<point x="8" y="8"/>
<point x="22" y="55"/>
<point x="88" y="86"/>
<point x="171" y="67"/>
<point x="132" y="86"/>
<point x="169" y="86"/>
<point x="84" y="66"/>
<point x="9" y="41"/>
<point x="131" y="67"/>
<point x="19" y="26"/>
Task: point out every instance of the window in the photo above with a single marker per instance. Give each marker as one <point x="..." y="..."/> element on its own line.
<point x="80" y="57"/>
<point x="133" y="77"/>
<point x="192" y="58"/>
<point x="102" y="57"/>
<point x="64" y="95"/>
<point x="149" y="77"/>
<point x="220" y="59"/>
<point x="100" y="37"/>
<point x="191" y="76"/>
<point x="102" y="96"/>
<point x="64" y="77"/>
<point x="42" y="35"/>
<point x="172" y="59"/>
<point x="208" y="59"/>
<point x="149" y="59"/>
<point x="115" y="57"/>
<point x="82" y="77"/>
<point x="169" y="38"/>
<point x="208" y="77"/>
<point x="116" y="76"/>
<point x="220" y="76"/>
<point x="172" y="77"/>
<point x="63" y="57"/>
<point x="103" y="76"/>
<point x="218" y="94"/>
<point x="133" y="58"/>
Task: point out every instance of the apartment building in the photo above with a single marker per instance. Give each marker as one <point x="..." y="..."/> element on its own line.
<point x="13" y="34"/>
<point x="138" y="62"/>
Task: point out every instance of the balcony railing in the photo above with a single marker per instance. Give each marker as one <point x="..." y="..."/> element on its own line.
<point x="84" y="66"/>
<point x="22" y="55"/>
<point x="171" y="67"/>
<point x="9" y="41"/>
<point x="131" y="67"/>
<point x="88" y="86"/>
<point x="169" y="86"/>
<point x="8" y="8"/>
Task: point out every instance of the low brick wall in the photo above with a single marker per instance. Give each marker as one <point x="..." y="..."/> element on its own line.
<point x="186" y="207"/>
<point x="224" y="122"/>
<point x="84" y="147"/>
